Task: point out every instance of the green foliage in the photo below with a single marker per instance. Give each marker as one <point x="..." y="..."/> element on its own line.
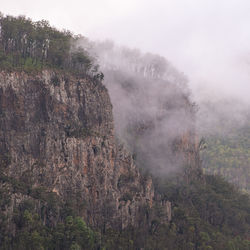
<point x="72" y="233"/>
<point x="209" y="214"/>
<point x="32" y="46"/>
<point x="229" y="155"/>
<point x="206" y="214"/>
<point x="41" y="220"/>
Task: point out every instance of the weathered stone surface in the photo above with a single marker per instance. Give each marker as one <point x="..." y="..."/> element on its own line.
<point x="57" y="131"/>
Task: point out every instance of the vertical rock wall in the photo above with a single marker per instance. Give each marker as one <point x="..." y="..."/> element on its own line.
<point x="57" y="132"/>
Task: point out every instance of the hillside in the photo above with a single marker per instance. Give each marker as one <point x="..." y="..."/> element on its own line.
<point x="103" y="160"/>
<point x="229" y="156"/>
<point x="227" y="141"/>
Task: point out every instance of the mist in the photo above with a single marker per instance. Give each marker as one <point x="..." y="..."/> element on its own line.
<point x="151" y="104"/>
<point x="207" y="40"/>
<point x="154" y="104"/>
<point x="163" y="49"/>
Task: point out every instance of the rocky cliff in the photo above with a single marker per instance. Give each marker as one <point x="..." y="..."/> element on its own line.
<point x="57" y="137"/>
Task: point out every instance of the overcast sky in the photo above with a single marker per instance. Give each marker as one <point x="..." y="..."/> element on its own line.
<point x="209" y="40"/>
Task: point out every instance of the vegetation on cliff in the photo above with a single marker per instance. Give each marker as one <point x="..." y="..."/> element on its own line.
<point x="33" y="46"/>
<point x="205" y="215"/>
<point x="207" y="212"/>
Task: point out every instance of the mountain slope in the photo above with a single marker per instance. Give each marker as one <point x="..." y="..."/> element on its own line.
<point x="70" y="177"/>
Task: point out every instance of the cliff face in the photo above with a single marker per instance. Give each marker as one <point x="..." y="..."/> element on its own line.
<point x="57" y="133"/>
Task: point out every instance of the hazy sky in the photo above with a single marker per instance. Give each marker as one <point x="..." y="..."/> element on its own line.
<point x="209" y="40"/>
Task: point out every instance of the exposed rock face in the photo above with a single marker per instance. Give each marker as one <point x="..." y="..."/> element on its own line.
<point x="57" y="132"/>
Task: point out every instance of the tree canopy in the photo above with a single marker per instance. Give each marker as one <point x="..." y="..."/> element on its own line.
<point x="27" y="45"/>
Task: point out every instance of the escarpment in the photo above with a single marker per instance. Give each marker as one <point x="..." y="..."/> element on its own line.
<point x="98" y="150"/>
<point x="57" y="141"/>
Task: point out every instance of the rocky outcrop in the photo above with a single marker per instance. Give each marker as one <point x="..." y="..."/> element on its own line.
<point x="57" y="133"/>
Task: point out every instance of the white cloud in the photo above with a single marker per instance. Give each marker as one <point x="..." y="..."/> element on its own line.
<point x="207" y="39"/>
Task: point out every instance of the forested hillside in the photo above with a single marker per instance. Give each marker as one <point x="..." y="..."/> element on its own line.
<point x="32" y="46"/>
<point x="229" y="156"/>
<point x="72" y="177"/>
<point x="227" y="141"/>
